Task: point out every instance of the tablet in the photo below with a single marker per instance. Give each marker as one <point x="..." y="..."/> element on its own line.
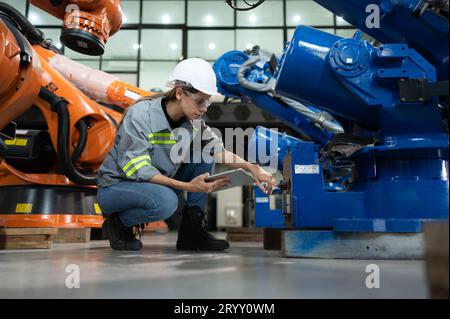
<point x="238" y="177"/>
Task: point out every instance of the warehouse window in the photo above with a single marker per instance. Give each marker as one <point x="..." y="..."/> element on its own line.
<point x="119" y="65"/>
<point x="155" y="35"/>
<point x="154" y="74"/>
<point x="346" y="33"/>
<point x="307" y="12"/>
<point x="39" y="17"/>
<point x="269" y="14"/>
<point x="53" y="34"/>
<point x="20" y="5"/>
<point x="160" y="44"/>
<point x="163" y="12"/>
<point x="209" y="44"/>
<point x="209" y="14"/>
<point x="123" y="45"/>
<point x="268" y="39"/>
<point x="131" y="11"/>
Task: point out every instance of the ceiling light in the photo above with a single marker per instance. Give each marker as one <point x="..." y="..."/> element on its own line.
<point x="209" y="18"/>
<point x="33" y="17"/>
<point x="165" y="18"/>
<point x="297" y="18"/>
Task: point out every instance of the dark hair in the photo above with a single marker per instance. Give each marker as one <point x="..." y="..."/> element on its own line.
<point x="169" y="95"/>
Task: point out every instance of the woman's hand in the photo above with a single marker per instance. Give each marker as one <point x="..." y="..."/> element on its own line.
<point x="198" y="184"/>
<point x="266" y="182"/>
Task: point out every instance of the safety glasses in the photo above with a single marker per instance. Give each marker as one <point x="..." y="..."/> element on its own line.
<point x="198" y="100"/>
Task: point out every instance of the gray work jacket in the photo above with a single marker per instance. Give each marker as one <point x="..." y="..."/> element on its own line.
<point x="146" y="145"/>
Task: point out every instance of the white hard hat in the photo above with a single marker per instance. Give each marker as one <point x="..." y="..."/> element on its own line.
<point x="197" y="73"/>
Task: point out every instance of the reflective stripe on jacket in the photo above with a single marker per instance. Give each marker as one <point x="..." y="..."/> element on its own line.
<point x="145" y="142"/>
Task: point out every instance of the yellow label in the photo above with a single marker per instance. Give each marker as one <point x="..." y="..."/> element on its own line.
<point x="97" y="208"/>
<point x="17" y="142"/>
<point x="24" y="208"/>
<point x="21" y="142"/>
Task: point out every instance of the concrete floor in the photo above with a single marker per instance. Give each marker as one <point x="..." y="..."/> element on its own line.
<point x="159" y="271"/>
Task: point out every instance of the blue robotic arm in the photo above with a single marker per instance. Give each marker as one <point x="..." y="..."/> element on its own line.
<point x="391" y="94"/>
<point x="252" y="76"/>
<point x="422" y="24"/>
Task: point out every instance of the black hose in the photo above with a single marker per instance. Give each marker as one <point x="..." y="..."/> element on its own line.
<point x="250" y="6"/>
<point x="59" y="105"/>
<point x="33" y="35"/>
<point x="2" y="149"/>
<point x="82" y="139"/>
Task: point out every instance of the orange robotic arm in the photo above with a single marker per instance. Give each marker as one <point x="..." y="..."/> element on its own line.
<point x="96" y="84"/>
<point x="27" y="81"/>
<point x="20" y="74"/>
<point x="87" y="24"/>
<point x="48" y="166"/>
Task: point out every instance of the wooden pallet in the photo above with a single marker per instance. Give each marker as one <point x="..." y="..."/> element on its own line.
<point x="245" y="234"/>
<point x="72" y="235"/>
<point x="27" y="238"/>
<point x="436" y="253"/>
<point x="334" y="245"/>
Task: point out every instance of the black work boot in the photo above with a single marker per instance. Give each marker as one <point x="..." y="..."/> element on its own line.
<point x="192" y="234"/>
<point x="120" y="237"/>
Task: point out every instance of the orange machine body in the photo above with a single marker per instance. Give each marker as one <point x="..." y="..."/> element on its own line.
<point x="16" y="94"/>
<point x="25" y="194"/>
<point x="100" y="139"/>
<point x="87" y="24"/>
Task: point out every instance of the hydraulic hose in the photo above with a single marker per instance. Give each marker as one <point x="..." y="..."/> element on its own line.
<point x="59" y="105"/>
<point x="322" y="119"/>
<point x="33" y="35"/>
<point x="82" y="131"/>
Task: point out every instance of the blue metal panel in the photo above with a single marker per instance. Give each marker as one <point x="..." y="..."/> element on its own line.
<point x="305" y="74"/>
<point x="265" y="217"/>
<point x="427" y="34"/>
<point x="348" y="77"/>
<point x="270" y="141"/>
<point x="315" y="206"/>
<point x="226" y="69"/>
<point x="399" y="196"/>
<point x="399" y="201"/>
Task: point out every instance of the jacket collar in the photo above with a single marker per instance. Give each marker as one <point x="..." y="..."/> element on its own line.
<point x="159" y="121"/>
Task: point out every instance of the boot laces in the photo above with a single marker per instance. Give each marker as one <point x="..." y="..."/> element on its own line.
<point x="204" y="222"/>
<point x="138" y="230"/>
